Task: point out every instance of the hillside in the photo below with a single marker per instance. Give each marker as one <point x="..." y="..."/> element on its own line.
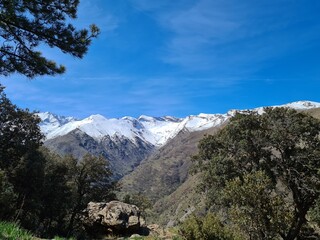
<point x="125" y="142"/>
<point x="167" y="168"/>
<point x="123" y="154"/>
<point x="164" y="177"/>
<point x="158" y="171"/>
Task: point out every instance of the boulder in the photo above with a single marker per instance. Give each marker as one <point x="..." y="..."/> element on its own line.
<point x="101" y="219"/>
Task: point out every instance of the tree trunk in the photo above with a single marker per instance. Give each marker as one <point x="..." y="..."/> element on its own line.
<point x="297" y="224"/>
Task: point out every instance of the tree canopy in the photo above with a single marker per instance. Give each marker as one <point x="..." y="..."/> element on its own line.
<point x="25" y="24"/>
<point x="19" y="133"/>
<point x="263" y="170"/>
<point x="44" y="192"/>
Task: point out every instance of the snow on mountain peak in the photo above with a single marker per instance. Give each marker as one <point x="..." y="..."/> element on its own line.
<point x="153" y="130"/>
<point x="96" y="117"/>
<point x="50" y="121"/>
<point x="302" y="105"/>
<point x="145" y="118"/>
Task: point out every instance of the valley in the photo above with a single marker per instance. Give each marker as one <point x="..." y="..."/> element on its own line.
<point x="150" y="156"/>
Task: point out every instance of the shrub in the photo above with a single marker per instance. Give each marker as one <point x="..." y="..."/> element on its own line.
<point x="209" y="227"/>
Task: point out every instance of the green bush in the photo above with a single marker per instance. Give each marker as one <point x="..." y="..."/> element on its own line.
<point x="207" y="228"/>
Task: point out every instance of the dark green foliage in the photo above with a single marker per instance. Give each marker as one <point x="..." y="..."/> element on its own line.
<point x="315" y="212"/>
<point x="91" y="181"/>
<point x="207" y="228"/>
<point x="20" y="137"/>
<point x="25" y="24"/>
<point x="56" y="196"/>
<point x="284" y="146"/>
<point x="19" y="133"/>
<point x="254" y="206"/>
<point x="67" y="186"/>
<point x="7" y="197"/>
<point x="42" y="191"/>
<point x="142" y="202"/>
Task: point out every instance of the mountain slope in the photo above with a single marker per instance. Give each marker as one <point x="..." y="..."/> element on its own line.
<point x="127" y="141"/>
<point x="124" y="142"/>
<point x="164" y="177"/>
<point x="153" y="130"/>
<point x="167" y="168"/>
<point x="122" y="153"/>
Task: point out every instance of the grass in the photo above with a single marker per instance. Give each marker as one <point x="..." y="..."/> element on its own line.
<point x="60" y="238"/>
<point x="11" y="231"/>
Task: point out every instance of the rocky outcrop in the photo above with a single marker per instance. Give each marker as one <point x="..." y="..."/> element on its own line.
<point x="101" y="219"/>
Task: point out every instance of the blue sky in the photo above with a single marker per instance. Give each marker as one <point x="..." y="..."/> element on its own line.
<point x="182" y="57"/>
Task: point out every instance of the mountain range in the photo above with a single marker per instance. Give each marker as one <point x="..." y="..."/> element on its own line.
<point x="126" y="141"/>
<point x="149" y="155"/>
<point x="156" y="131"/>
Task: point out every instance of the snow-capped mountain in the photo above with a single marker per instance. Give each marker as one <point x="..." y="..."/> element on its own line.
<point x="302" y="105"/>
<point x="299" y="105"/>
<point x="152" y="130"/>
<point x="50" y="121"/>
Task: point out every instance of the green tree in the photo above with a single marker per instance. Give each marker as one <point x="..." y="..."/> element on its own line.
<point x="7" y="197"/>
<point x="66" y="186"/>
<point x="209" y="227"/>
<point x="25" y="24"/>
<point x="255" y="207"/>
<point x="19" y="133"/>
<point x="282" y="143"/>
<point x="56" y="195"/>
<point x="42" y="191"/>
<point x="91" y="181"/>
<point x="141" y="201"/>
<point x="20" y="137"/>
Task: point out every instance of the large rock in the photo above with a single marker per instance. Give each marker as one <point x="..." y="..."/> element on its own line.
<point x="101" y="219"/>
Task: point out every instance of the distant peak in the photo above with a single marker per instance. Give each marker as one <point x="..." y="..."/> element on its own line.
<point x="128" y="118"/>
<point x="97" y="117"/>
<point x="208" y="115"/>
<point x="153" y="130"/>
<point x="302" y="105"/>
<point x="47" y="115"/>
<point x="146" y="118"/>
<point x="44" y="115"/>
<point x="203" y="115"/>
<point x="172" y="119"/>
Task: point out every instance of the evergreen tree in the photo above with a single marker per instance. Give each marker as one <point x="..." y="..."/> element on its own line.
<point x="25" y="24"/>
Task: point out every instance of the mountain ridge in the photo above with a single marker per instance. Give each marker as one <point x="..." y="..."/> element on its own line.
<point x="164" y="177"/>
<point x="152" y="130"/>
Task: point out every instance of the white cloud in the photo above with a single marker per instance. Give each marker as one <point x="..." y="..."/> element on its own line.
<point x="90" y="12"/>
<point x="217" y="35"/>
